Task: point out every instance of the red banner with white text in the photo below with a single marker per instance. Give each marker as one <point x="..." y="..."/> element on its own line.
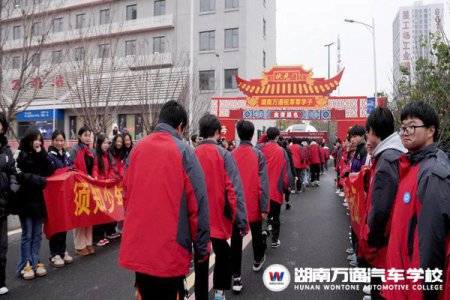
<point x="74" y="200"/>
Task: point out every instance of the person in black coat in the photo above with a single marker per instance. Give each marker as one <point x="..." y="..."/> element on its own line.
<point x="287" y="192"/>
<point x="7" y="177"/>
<point x="60" y="159"/>
<point x="33" y="166"/>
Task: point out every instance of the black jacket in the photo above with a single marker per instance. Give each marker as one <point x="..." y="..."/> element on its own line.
<point x="7" y="173"/>
<point x="33" y="168"/>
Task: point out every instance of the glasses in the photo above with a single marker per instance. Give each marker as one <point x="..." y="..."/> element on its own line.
<point x="408" y="130"/>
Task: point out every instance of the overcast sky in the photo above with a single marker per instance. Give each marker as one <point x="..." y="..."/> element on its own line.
<point x="304" y="27"/>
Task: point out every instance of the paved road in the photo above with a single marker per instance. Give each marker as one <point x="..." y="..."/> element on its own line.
<point x="314" y="233"/>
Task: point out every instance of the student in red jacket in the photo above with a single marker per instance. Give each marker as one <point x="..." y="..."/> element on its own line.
<point x="225" y="196"/>
<point x="167" y="209"/>
<point x="279" y="172"/>
<point x="118" y="152"/>
<point x="297" y="159"/>
<point x="420" y="228"/>
<point x="82" y="157"/>
<point x="252" y="168"/>
<point x="315" y="162"/>
<point x="104" y="169"/>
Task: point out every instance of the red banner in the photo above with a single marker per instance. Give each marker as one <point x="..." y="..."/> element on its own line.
<point x="356" y="198"/>
<point x="74" y="200"/>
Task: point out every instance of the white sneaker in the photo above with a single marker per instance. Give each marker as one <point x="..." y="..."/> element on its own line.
<point x="354" y="263"/>
<point x="338" y="191"/>
<point x="67" y="258"/>
<point x="366" y="289"/>
<point x="351" y="257"/>
<point x="341" y="194"/>
<point x="40" y="270"/>
<point x="349" y="250"/>
<point x="27" y="273"/>
<point x="57" y="261"/>
<point x="4" y="290"/>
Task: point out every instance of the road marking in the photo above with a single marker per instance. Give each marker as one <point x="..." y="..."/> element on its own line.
<point x="12" y="232"/>
<point x="212" y="260"/>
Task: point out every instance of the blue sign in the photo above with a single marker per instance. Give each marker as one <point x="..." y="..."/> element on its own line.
<point x="370" y="105"/>
<point x="39" y="115"/>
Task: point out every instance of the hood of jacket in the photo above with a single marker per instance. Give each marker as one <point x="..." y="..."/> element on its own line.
<point x="391" y="142"/>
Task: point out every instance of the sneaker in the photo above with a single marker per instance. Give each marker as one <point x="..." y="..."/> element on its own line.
<point x="57" y="261"/>
<point x="237" y="285"/>
<point x="276" y="244"/>
<point x="341" y="194"/>
<point x="288" y="206"/>
<point x="113" y="236"/>
<point x="349" y="250"/>
<point x="367" y="298"/>
<point x="102" y="242"/>
<point x="4" y="290"/>
<point x="90" y="249"/>
<point x="366" y="289"/>
<point x="27" y="273"/>
<point x="40" y="270"/>
<point x="338" y="191"/>
<point x="351" y="257"/>
<point x="257" y="265"/>
<point x="345" y="204"/>
<point x="354" y="263"/>
<point x="219" y="295"/>
<point x="67" y="258"/>
<point x="269" y="227"/>
<point x="82" y="252"/>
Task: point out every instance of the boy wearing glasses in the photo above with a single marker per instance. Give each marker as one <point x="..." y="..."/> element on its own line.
<point x="420" y="232"/>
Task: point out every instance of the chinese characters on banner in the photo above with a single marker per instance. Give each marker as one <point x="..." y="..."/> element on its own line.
<point x="36" y="82"/>
<point x="304" y="102"/>
<point x="74" y="200"/>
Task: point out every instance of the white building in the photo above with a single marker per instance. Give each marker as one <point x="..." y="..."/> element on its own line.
<point x="411" y="29"/>
<point x="226" y="36"/>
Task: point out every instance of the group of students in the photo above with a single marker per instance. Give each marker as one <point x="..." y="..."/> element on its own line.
<point x="406" y="218"/>
<point x="195" y="198"/>
<point x="23" y="180"/>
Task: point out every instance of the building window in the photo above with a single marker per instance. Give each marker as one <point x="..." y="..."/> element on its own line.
<point x="159" y="44"/>
<point x="264" y="27"/>
<point x="207" y="40"/>
<point x="207" y="5"/>
<point x="15" y="62"/>
<point x="232" y="38"/>
<point x="132" y="12"/>
<point x="36" y="29"/>
<point x="37" y="2"/>
<point x="231" y="4"/>
<point x="36" y="59"/>
<point x="79" y="54"/>
<point x="264" y="59"/>
<point x="103" y="50"/>
<point x="80" y="21"/>
<point x="57" y="57"/>
<point x="17" y="3"/>
<point x="58" y="25"/>
<point x="104" y="16"/>
<point x="130" y="48"/>
<point x="159" y="8"/>
<point x="230" y="79"/>
<point x="16" y="32"/>
<point x="206" y="80"/>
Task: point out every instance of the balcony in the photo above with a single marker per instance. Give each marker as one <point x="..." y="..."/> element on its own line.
<point x="95" y="32"/>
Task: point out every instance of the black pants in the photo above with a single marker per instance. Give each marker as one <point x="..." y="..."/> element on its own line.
<point x="58" y="244"/>
<point x="259" y="246"/>
<point x="236" y="252"/>
<point x="315" y="172"/>
<point x="151" y="287"/>
<point x="298" y="172"/>
<point x="274" y="217"/>
<point x="3" y="249"/>
<point x="98" y="232"/>
<point x="222" y="268"/>
<point x="201" y="279"/>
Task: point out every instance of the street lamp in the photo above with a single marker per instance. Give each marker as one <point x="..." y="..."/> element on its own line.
<point x="371" y="28"/>
<point x="220" y="75"/>
<point x="328" y="46"/>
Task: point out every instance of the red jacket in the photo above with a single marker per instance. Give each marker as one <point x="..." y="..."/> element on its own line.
<point x="166" y="207"/>
<point x="304" y="159"/>
<point x="110" y="170"/>
<point x="252" y="164"/>
<point x="314" y="153"/>
<point x="420" y="232"/>
<point x="296" y="155"/>
<point x="224" y="186"/>
<point x="322" y="155"/>
<point x="278" y="170"/>
<point x="77" y="156"/>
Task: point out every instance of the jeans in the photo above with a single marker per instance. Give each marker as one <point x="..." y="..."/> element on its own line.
<point x="3" y="249"/>
<point x="306" y="176"/>
<point x="30" y="242"/>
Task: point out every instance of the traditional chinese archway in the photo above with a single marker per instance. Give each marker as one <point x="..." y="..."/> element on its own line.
<point x="290" y="93"/>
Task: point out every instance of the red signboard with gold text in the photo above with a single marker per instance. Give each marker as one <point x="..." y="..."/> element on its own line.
<point x="74" y="200"/>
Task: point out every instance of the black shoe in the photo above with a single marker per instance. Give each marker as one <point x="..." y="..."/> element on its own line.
<point x="276" y="244"/>
<point x="237" y="285"/>
<point x="288" y="206"/>
<point x="257" y="265"/>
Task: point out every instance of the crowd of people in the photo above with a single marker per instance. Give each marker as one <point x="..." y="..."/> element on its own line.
<point x="194" y="200"/>
<point x="406" y="214"/>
